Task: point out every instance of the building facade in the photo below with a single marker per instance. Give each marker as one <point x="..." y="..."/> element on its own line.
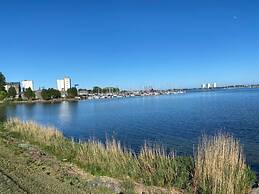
<point x="16" y="85"/>
<point x="209" y="86"/>
<point x="25" y="84"/>
<point x="61" y="85"/>
<point x="67" y="83"/>
<point x="64" y="84"/>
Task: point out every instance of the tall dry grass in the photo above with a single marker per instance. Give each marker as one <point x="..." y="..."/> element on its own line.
<point x="152" y="166"/>
<point x="32" y="130"/>
<point x="220" y="166"/>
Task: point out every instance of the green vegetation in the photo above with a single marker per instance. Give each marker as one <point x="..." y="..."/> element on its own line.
<point x="98" y="90"/>
<point x="50" y="93"/>
<point x="3" y="95"/>
<point x="12" y="92"/>
<point x="72" y="92"/>
<point x="219" y="165"/>
<point x="2" y="82"/>
<point x="29" y="94"/>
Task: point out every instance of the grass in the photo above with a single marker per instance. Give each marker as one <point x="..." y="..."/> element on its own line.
<point x="151" y="166"/>
<point x="218" y="167"/>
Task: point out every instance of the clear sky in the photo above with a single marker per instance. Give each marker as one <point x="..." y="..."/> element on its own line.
<point x="130" y="43"/>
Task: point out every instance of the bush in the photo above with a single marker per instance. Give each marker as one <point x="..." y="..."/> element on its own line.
<point x="3" y="95"/>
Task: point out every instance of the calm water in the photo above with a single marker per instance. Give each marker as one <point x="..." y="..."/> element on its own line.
<point x="176" y="121"/>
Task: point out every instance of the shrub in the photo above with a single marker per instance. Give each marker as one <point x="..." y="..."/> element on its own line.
<point x="3" y="95"/>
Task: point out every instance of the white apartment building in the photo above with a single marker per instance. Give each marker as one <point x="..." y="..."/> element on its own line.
<point x="67" y="83"/>
<point x="64" y="84"/>
<point x="61" y="85"/>
<point x="209" y="86"/>
<point x="25" y="84"/>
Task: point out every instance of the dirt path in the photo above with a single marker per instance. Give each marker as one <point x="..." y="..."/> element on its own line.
<point x="25" y="169"/>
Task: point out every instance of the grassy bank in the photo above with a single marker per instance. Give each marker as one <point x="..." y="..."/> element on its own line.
<point x="218" y="167"/>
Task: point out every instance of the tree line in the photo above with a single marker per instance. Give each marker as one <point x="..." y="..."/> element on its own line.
<point x="97" y="90"/>
<point x="51" y="93"/>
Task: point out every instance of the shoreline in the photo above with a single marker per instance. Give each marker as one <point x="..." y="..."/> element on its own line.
<point x="152" y="166"/>
<point x="102" y="96"/>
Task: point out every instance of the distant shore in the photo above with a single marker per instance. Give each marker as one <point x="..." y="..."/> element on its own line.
<point x="38" y="101"/>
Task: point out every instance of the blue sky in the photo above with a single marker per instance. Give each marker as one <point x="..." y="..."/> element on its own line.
<point x="130" y="43"/>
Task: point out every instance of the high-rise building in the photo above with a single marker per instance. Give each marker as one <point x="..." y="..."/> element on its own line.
<point x="25" y="84"/>
<point x="64" y="84"/>
<point x="67" y="83"/>
<point x="203" y="86"/>
<point x="209" y="86"/>
<point x="61" y="85"/>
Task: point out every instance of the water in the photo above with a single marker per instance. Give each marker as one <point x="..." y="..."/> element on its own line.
<point x="175" y="121"/>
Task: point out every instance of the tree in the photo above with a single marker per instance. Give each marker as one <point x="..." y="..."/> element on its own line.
<point x="29" y="94"/>
<point x="105" y="90"/>
<point x="3" y="95"/>
<point x="116" y="90"/>
<point x="12" y="92"/>
<point x="72" y="92"/>
<point x="45" y="94"/>
<point x="51" y="93"/>
<point x="2" y="82"/>
<point x="54" y="93"/>
<point x="97" y="89"/>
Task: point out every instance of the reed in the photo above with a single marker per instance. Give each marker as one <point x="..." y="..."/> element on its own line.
<point x="220" y="166"/>
<point x="153" y="166"/>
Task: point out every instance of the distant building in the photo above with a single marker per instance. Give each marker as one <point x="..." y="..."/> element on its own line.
<point x="25" y="84"/>
<point x="64" y="84"/>
<point x="16" y="85"/>
<point x="83" y="92"/>
<point x="67" y="82"/>
<point x="209" y="86"/>
<point x="61" y="85"/>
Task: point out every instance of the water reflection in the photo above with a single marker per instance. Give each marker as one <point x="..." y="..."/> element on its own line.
<point x="64" y="111"/>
